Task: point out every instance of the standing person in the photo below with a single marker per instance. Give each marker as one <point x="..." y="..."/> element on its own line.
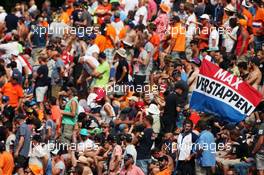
<point x="116" y="157"/>
<point x="258" y="25"/>
<point x="69" y="115"/>
<point x="144" y="145"/>
<point x="56" y="74"/>
<point x="258" y="150"/>
<point x="141" y="13"/>
<point x="204" y="152"/>
<point x="42" y="81"/>
<point x="186" y="164"/>
<point x="14" y="90"/>
<point x="177" y="45"/>
<point x="21" y="146"/>
<point x="122" y="67"/>
<point x="205" y="32"/>
<point x="102" y="73"/>
<point x="162" y="21"/>
<point x="254" y="76"/>
<point x="38" y="158"/>
<point x="172" y="108"/>
<point x="242" y="41"/>
<point x="213" y="37"/>
<point x="129" y="167"/>
<point x="6" y="161"/>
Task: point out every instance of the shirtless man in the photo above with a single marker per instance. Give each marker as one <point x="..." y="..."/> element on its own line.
<point x="255" y="75"/>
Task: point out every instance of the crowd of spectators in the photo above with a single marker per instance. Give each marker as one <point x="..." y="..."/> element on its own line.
<point x="103" y="87"/>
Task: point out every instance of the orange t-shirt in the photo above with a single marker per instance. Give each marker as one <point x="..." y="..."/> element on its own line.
<point x="65" y="18"/>
<point x="122" y="33"/>
<point x="14" y="92"/>
<point x="7" y="163"/>
<point x="110" y="31"/>
<point x="155" y="40"/>
<point x="69" y="11"/>
<point x="100" y="41"/>
<point x="258" y="21"/>
<point x="204" y="34"/>
<point x="105" y="8"/>
<point x="167" y="171"/>
<point x="249" y="17"/>
<point x="178" y="33"/>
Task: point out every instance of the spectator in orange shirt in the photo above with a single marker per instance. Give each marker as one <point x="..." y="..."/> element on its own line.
<point x="14" y="90"/>
<point x="56" y="114"/>
<point x="6" y="161"/>
<point x="110" y="40"/>
<point x="164" y="168"/>
<point x="100" y="41"/>
<point x="64" y="17"/>
<point x="103" y="11"/>
<point x="258" y="25"/>
<point x="204" y="32"/>
<point x="178" y="38"/>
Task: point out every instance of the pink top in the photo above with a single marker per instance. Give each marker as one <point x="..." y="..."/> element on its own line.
<point x="152" y="9"/>
<point x="134" y="171"/>
<point x="162" y="23"/>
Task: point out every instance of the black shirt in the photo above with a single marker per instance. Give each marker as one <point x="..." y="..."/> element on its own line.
<point x="11" y="22"/>
<point x="240" y="149"/>
<point x="145" y="144"/>
<point x="172" y="101"/>
<point x="43" y="79"/>
<point x="119" y="71"/>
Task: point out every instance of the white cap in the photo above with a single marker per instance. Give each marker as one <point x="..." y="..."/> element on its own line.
<point x="230" y="8"/>
<point x="205" y="16"/>
<point x="245" y="4"/>
<point x="15" y="53"/>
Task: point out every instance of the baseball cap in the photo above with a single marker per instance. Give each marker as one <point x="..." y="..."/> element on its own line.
<point x="15" y="53"/>
<point x="16" y="75"/>
<point x="133" y="98"/>
<point x="127" y="157"/>
<point x="84" y="132"/>
<point x="205" y="16"/>
<point x="100" y="94"/>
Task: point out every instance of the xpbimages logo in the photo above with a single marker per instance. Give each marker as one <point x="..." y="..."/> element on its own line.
<point x="212" y="147"/>
<point x="61" y="30"/>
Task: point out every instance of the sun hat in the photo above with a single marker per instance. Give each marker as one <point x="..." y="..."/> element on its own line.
<point x="164" y="8"/>
<point x="121" y="52"/>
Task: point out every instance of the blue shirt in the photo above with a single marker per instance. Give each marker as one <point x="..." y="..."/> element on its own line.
<point x="184" y="76"/>
<point x="206" y="141"/>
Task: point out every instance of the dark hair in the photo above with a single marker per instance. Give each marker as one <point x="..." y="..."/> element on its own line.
<point x="149" y="119"/>
<point x="53" y="100"/>
<point x="242" y="65"/>
<point x="102" y="55"/>
<point x="233" y="22"/>
<point x="202" y="125"/>
<point x="187" y="121"/>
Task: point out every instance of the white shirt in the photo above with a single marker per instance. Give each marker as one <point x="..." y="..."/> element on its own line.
<point x="118" y="26"/>
<point x="130" y="149"/>
<point x="57" y="29"/>
<point x="91" y="59"/>
<point x="214" y="35"/>
<point x="184" y="146"/>
<point x="87" y="144"/>
<point x="130" y="5"/>
<point x="21" y="63"/>
<point x="93" y="49"/>
<point x="190" y="22"/>
<point x="2" y="17"/>
<point x="9" y="140"/>
<point x="142" y="11"/>
<point x="228" y="42"/>
<point x="33" y="8"/>
<point x="10" y="47"/>
<point x="36" y="154"/>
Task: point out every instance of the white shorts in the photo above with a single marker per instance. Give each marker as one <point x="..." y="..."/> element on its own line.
<point x="40" y="93"/>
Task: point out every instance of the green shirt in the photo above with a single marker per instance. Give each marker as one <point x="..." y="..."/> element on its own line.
<point x="111" y="1"/>
<point x="102" y="82"/>
<point x="68" y="120"/>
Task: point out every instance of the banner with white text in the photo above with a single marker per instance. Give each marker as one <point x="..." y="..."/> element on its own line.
<point x="222" y="94"/>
